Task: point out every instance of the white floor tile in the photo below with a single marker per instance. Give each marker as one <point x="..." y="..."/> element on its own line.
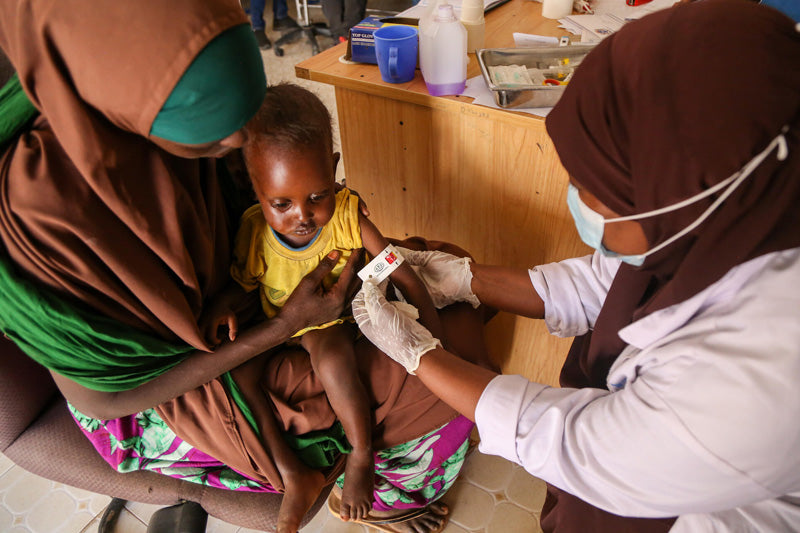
<point x="470" y="506"/>
<point x="5" y="464"/>
<point x="129" y="523"/>
<point x="318" y="522"/>
<point x="215" y="525"/>
<point x="452" y="527"/>
<point x="57" y="513"/>
<point x="142" y="511"/>
<point x="525" y="490"/>
<point x="92" y="526"/>
<point x="6" y="519"/>
<point x="21" y="491"/>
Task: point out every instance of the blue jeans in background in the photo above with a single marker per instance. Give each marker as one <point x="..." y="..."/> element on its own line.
<point x="256" y="11"/>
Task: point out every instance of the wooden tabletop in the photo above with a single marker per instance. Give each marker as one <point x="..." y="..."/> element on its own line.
<point x="524" y="16"/>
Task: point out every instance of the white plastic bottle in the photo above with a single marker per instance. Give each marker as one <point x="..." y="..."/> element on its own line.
<point x="443" y="51"/>
<point x="473" y="21"/>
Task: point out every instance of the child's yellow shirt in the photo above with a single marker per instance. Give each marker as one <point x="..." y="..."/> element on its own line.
<point x="262" y="261"/>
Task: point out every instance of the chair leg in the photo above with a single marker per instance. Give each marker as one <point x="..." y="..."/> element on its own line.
<point x="310" y="32"/>
<point x="285" y="39"/>
<point x="110" y="515"/>
<point x="186" y="517"/>
<point x="312" y="39"/>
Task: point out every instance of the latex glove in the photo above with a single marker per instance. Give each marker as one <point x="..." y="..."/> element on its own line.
<point x="448" y="278"/>
<point x="392" y="326"/>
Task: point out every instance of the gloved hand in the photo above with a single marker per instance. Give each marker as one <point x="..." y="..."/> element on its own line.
<point x="448" y="278"/>
<point x="392" y="326"/>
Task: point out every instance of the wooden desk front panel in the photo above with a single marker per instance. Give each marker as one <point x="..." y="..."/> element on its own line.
<point x="486" y="180"/>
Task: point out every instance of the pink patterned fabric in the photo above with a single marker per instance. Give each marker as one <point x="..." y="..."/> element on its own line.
<point x="407" y="476"/>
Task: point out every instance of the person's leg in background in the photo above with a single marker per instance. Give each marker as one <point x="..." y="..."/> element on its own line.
<point x="343" y="15"/>
<point x="281" y="21"/>
<point x="334" y="12"/>
<point x="354" y="11"/>
<point x="256" y="12"/>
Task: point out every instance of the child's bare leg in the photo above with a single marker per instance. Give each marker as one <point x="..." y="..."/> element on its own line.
<point x="302" y="485"/>
<point x="333" y="360"/>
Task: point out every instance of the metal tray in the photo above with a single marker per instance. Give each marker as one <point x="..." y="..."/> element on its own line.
<point x="531" y="58"/>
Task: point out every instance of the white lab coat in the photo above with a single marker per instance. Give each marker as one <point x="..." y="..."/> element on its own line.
<point x="701" y="417"/>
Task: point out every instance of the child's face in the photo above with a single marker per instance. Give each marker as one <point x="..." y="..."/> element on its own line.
<point x="296" y="191"/>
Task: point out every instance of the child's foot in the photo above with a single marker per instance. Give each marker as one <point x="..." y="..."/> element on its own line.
<point x="301" y="491"/>
<point x="359" y="484"/>
<point x="431" y="519"/>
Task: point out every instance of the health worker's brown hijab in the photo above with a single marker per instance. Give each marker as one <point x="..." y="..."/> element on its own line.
<point x="88" y="206"/>
<point x="662" y="110"/>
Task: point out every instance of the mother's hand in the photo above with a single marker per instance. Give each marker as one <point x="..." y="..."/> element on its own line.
<point x="311" y="304"/>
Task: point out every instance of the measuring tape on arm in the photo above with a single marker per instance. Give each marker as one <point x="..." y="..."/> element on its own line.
<point x="383" y="265"/>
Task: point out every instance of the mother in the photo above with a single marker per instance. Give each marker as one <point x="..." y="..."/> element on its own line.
<point x="681" y="134"/>
<point x="116" y="230"/>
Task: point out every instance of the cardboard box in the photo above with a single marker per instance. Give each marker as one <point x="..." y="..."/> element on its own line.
<point x="361" y="46"/>
<point x="362" y="42"/>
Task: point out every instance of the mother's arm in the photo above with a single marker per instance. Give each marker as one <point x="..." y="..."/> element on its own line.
<point x="309" y="304"/>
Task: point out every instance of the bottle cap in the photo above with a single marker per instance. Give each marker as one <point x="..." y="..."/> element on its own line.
<point x="445" y="13"/>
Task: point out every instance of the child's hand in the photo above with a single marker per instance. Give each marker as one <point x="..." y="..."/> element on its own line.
<point x="210" y="325"/>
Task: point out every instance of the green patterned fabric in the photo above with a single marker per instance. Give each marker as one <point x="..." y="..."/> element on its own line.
<point x="413" y="474"/>
<point x="145" y="442"/>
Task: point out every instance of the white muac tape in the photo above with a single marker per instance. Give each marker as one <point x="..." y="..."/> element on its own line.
<point x="384" y="264"/>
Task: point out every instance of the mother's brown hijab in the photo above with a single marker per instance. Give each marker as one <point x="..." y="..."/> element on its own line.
<point x="93" y="211"/>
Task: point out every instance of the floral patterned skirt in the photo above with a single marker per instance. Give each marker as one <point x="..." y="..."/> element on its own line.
<point x="407" y="476"/>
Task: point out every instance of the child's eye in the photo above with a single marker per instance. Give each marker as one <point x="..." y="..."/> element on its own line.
<point x="281" y="206"/>
<point x="318" y="197"/>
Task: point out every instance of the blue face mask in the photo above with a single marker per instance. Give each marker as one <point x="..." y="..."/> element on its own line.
<point x="591" y="224"/>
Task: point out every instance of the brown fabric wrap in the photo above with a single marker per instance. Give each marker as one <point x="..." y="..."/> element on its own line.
<point x="564" y="513"/>
<point x="403" y="408"/>
<point x="94" y="211"/>
<point x="88" y="206"/>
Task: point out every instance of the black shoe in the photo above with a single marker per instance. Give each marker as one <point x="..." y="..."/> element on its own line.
<point x="286" y="23"/>
<point x="262" y="39"/>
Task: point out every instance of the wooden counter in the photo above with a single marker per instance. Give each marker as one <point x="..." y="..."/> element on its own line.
<point x="486" y="179"/>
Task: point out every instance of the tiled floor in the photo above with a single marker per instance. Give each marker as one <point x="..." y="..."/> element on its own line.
<point x="492" y="495"/>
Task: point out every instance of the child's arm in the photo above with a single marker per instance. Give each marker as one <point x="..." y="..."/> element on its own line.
<point x="404" y="279"/>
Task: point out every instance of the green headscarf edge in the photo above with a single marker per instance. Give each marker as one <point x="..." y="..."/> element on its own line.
<point x="220" y="91"/>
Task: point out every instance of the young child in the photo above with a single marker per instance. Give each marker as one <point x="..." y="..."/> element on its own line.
<point x="299" y="219"/>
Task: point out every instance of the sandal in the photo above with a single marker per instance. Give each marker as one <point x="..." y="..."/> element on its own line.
<point x="382" y="524"/>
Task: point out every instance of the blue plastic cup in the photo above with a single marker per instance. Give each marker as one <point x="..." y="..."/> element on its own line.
<point x="396" y="50"/>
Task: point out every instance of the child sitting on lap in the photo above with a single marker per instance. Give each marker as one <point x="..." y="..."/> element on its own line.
<point x="299" y="219"/>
